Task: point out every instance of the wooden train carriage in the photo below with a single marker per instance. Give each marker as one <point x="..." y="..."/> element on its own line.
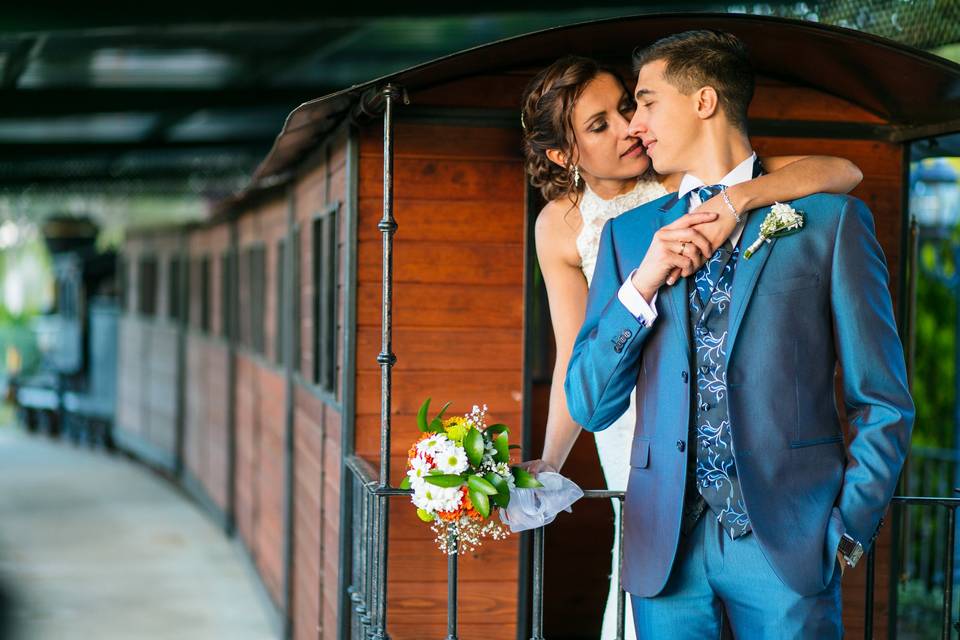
<point x="310" y="377"/>
<point x="149" y="373"/>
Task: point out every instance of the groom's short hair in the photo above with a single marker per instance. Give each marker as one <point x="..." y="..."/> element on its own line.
<point x="705" y="57"/>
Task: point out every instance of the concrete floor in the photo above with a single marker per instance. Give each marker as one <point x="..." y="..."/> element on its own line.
<point x="94" y="546"/>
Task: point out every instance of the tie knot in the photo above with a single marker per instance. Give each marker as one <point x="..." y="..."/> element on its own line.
<point x="707" y="192"/>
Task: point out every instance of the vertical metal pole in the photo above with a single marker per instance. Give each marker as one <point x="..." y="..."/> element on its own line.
<point x="386" y="358"/>
<point x="621" y="596"/>
<point x="537" y="632"/>
<point x="948" y="575"/>
<point x="868" y="605"/>
<point x="453" y="553"/>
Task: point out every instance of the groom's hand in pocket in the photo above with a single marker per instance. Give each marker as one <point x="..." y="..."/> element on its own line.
<point x="675" y="246"/>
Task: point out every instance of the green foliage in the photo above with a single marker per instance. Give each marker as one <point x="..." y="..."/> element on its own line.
<point x="934" y="369"/>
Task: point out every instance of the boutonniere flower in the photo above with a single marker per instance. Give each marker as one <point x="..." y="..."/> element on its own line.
<point x="781" y="221"/>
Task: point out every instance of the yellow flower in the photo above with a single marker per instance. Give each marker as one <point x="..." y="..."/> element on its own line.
<point x="456" y="428"/>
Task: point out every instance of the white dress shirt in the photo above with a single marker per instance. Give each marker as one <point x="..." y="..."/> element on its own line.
<point x="628" y="294"/>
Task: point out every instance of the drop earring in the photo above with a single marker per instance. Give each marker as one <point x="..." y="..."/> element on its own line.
<point x="576" y="176"/>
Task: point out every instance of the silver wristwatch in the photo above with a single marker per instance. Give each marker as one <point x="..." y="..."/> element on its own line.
<point x="851" y="550"/>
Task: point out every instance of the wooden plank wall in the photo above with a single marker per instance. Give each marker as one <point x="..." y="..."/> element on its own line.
<point x="206" y="393"/>
<point x="318" y="416"/>
<point x="260" y="411"/>
<point x="147" y="365"/>
<point x="458" y="336"/>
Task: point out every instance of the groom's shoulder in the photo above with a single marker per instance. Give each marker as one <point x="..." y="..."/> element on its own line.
<point x="827" y="209"/>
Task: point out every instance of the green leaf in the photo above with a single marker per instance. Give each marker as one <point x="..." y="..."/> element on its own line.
<point x="440" y="415"/>
<point x="480" y="502"/>
<point x="422" y="415"/>
<point x="405" y="483"/>
<point x="473" y="445"/>
<point x="497" y="429"/>
<point x="502" y="499"/>
<point x="503" y="450"/>
<point x="525" y="479"/>
<point x="447" y="480"/>
<point x="435" y="426"/>
<point x="424" y="515"/>
<point x="476" y="483"/>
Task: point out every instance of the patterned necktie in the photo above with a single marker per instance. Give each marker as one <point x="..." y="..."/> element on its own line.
<point x="707" y="276"/>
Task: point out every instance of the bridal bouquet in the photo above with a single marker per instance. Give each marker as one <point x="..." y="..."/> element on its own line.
<point x="459" y="473"/>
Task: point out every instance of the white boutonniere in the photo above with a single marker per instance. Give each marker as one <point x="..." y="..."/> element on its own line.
<point x="781" y="221"/>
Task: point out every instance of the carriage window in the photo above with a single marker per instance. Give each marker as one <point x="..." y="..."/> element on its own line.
<point x="295" y="303"/>
<point x="147" y="286"/>
<point x="243" y="310"/>
<point x="325" y="298"/>
<point x="173" y="289"/>
<point x="205" y="294"/>
<point x="226" y="282"/>
<point x="278" y="304"/>
<point x="257" y="263"/>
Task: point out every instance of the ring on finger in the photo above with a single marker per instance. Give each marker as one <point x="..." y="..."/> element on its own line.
<point x="683" y="245"/>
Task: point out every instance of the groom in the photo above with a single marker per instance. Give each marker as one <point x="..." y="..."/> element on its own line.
<point x="742" y="500"/>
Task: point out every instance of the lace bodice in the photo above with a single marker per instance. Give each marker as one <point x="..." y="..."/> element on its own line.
<point x="595" y="211"/>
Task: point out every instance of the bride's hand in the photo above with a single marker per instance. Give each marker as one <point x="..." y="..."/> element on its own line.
<point x="538" y="466"/>
<point x="716" y="231"/>
<point x="720" y="229"/>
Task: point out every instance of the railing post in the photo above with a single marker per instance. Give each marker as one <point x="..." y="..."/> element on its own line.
<point x="621" y="596"/>
<point x="948" y="573"/>
<point x="386" y="359"/>
<point x="537" y="632"/>
<point x="453" y="554"/>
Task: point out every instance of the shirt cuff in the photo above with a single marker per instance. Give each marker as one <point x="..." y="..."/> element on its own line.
<point x="634" y="302"/>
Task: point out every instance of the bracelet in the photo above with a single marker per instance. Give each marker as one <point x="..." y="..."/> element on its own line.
<point x="733" y="209"/>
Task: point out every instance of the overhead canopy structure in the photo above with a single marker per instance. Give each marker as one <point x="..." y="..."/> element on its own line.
<point x="915" y="95"/>
<point x="107" y="96"/>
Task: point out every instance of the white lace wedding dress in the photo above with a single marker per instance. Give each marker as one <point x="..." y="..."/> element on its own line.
<point x="613" y="443"/>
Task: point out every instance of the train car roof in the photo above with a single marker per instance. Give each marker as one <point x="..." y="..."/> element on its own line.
<point x="917" y="93"/>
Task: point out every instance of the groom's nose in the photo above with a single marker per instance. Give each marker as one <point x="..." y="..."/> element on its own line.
<point x="638" y="124"/>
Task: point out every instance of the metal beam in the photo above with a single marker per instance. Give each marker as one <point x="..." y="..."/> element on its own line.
<point x="52" y="102"/>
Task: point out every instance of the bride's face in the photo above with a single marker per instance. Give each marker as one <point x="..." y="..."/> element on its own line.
<point x="604" y="148"/>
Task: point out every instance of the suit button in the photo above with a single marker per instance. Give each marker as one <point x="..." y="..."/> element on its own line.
<point x="626" y="334"/>
<point x="685" y="376"/>
<point x="681" y="445"/>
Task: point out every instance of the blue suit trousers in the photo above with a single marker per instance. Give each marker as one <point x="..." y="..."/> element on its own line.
<point x="715" y="577"/>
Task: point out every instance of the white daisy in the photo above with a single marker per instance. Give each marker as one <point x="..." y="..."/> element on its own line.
<point x="451" y="459"/>
<point x="419" y="469"/>
<point x="432" y="445"/>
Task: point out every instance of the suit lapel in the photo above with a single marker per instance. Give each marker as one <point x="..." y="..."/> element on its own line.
<point x="746" y="274"/>
<point x="676" y="295"/>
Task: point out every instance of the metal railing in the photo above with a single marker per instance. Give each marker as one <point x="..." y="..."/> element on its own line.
<point x="369" y="597"/>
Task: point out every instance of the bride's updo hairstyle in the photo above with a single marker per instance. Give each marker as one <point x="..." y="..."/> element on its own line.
<point x="547" y="118"/>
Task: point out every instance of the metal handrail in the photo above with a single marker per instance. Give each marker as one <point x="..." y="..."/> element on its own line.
<point x="375" y="490"/>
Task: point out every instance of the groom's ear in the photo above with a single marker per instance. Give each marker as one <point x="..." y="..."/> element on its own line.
<point x="707" y="102"/>
<point x="557" y="157"/>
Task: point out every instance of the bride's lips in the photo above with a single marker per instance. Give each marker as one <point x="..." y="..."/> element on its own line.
<point x="635" y="150"/>
<point x="649" y="144"/>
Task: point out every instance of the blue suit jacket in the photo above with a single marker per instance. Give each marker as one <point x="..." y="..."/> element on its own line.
<point x="801" y="306"/>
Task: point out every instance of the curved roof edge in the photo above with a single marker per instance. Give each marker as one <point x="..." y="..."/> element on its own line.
<point x="906" y="86"/>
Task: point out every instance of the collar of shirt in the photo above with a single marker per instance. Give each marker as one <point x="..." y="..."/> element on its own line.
<point x="743" y="172"/>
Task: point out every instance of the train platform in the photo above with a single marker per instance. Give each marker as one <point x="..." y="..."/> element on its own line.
<point x="93" y="545"/>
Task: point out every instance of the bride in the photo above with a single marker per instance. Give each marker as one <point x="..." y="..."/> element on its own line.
<point x="589" y="169"/>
